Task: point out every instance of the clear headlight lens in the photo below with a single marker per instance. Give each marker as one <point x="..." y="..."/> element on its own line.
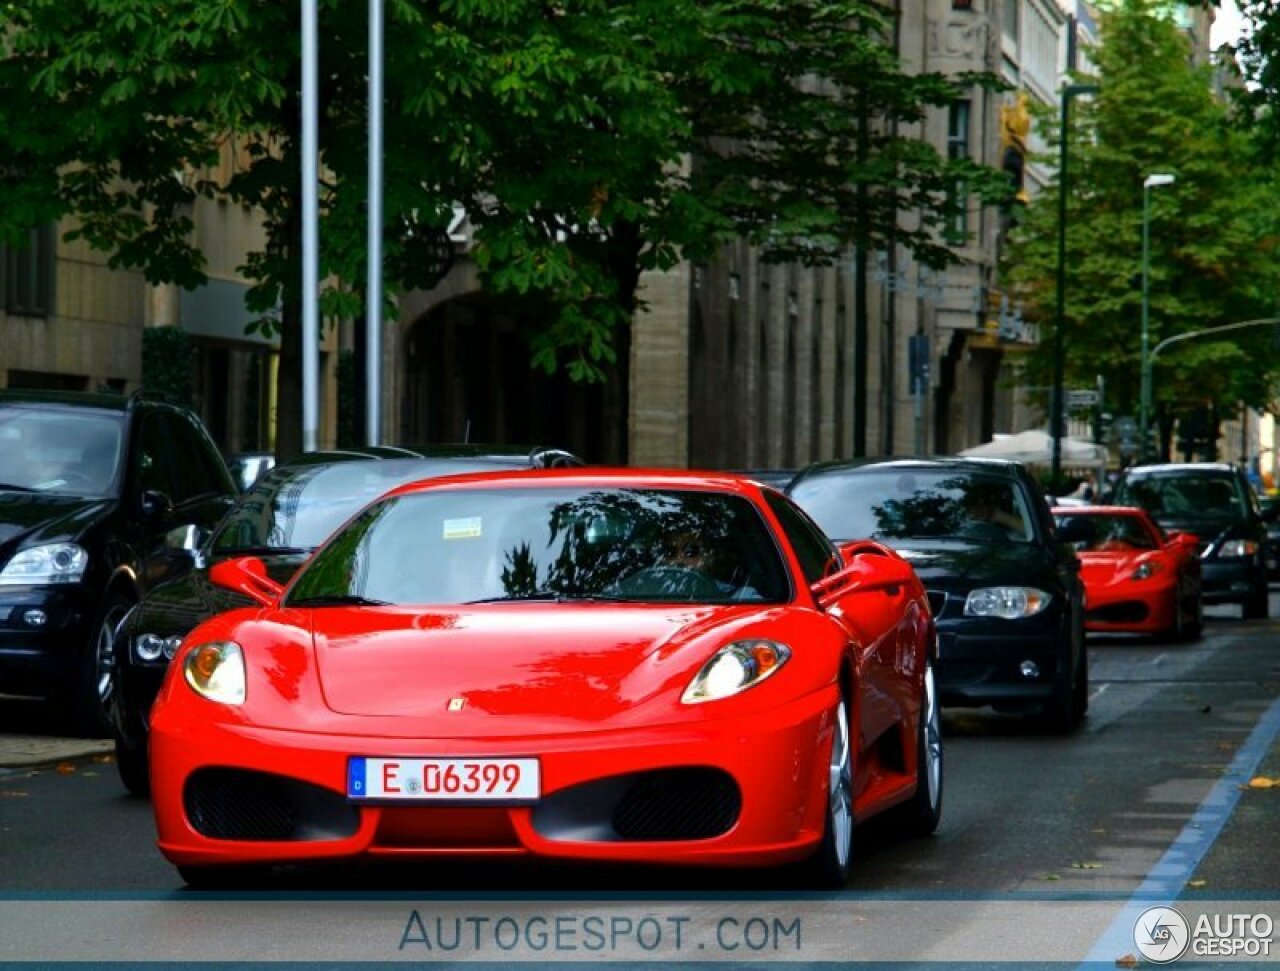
<point x="1009" y="603"/>
<point x="55" y="563"/>
<point x="216" y="671"/>
<point x="1147" y="569"/>
<point x="153" y="647"/>
<point x="1238" y="547"/>
<point x="735" y="668"/>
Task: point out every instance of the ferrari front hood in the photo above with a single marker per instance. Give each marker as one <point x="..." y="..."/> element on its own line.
<point x="494" y="669"/>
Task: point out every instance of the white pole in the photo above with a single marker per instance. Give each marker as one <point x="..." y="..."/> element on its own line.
<point x="310" y="231"/>
<point x="373" y="310"/>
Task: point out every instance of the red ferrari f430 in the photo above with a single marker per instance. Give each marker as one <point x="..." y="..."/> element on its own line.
<point x="579" y="664"/>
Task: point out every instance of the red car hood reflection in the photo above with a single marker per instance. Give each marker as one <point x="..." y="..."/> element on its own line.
<point x="561" y="668"/>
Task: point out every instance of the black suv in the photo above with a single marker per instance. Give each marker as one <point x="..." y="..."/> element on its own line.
<point x="1214" y="501"/>
<point x="90" y="485"/>
<point x="1003" y="582"/>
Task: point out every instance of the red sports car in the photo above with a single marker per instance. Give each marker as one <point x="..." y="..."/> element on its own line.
<point x="613" y="665"/>
<point x="1137" y="578"/>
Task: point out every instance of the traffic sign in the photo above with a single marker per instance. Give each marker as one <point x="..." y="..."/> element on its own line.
<point x="1082" y="398"/>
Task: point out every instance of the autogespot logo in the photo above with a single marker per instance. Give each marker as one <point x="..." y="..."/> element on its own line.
<point x="1161" y="934"/>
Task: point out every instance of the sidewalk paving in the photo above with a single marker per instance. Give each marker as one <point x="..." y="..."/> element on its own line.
<point x="18" y="751"/>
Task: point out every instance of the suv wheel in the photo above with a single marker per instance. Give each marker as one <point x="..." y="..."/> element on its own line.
<point x="96" y="679"/>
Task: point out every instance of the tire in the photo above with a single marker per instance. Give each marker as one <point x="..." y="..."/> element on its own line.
<point x="1064" y="712"/>
<point x="89" y="698"/>
<point x="131" y="764"/>
<point x="1258" y="606"/>
<point x="828" y="868"/>
<point x="1192" y="629"/>
<point x="922" y="813"/>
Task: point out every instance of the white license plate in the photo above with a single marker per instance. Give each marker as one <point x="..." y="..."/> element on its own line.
<point x="444" y="780"/>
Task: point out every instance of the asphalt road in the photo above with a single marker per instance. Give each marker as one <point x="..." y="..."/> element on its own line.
<point x="1024" y="812"/>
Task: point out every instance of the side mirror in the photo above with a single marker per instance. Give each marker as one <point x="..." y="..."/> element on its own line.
<point x="1179" y="538"/>
<point x="1077" y="529"/>
<point x="186" y="540"/>
<point x="155" y="504"/>
<point x="868" y="566"/>
<point x="247" y="575"/>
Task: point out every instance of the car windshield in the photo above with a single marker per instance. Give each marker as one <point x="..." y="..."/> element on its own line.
<point x="915" y="503"/>
<point x="1112" y="533"/>
<point x="549" y="543"/>
<point x="59" y="451"/>
<point x="297" y="507"/>
<point x="1208" y="495"/>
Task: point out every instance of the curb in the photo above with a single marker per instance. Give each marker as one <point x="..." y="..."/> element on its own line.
<point x="29" y="751"/>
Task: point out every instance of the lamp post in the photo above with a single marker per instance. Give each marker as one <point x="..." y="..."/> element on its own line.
<point x="1059" y="350"/>
<point x="1144" y="403"/>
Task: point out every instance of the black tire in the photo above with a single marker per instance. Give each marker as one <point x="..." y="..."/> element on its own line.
<point x="828" y="868"/>
<point x="131" y="763"/>
<point x="921" y="815"/>
<point x="89" y="698"/>
<point x="1258" y="606"/>
<point x="1063" y="714"/>
<point x="1192" y="629"/>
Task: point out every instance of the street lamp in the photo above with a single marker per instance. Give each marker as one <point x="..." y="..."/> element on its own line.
<point x="1056" y="420"/>
<point x="1144" y="404"/>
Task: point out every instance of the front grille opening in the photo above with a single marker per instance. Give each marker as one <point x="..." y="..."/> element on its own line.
<point x="678" y="804"/>
<point x="238" y="804"/>
<point x="1129" y="612"/>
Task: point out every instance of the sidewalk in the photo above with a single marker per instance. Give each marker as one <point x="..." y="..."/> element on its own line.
<point x="19" y="751"/>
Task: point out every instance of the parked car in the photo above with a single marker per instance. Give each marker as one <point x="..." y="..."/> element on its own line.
<point x="1213" y="501"/>
<point x="1137" y="578"/>
<point x="90" y="485"/>
<point x="535" y="652"/>
<point x="247" y="467"/>
<point x="280" y="520"/>
<point x="1004" y="584"/>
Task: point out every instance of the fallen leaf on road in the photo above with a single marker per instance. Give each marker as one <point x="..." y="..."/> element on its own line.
<point x="1052" y="876"/>
<point x="11" y="793"/>
<point x="1128" y="961"/>
<point x="89" y="773"/>
<point x="1086" y="866"/>
<point x="106" y="758"/>
<point x="1196" y="883"/>
<point x="1262" y="782"/>
<point x="66" y="768"/>
<point x="1099" y="830"/>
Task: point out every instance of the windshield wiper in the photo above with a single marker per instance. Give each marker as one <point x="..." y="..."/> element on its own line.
<point x="338" y="600"/>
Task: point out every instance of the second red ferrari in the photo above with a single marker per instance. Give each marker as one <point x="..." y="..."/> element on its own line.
<point x="1137" y="578"/>
<point x="628" y="666"/>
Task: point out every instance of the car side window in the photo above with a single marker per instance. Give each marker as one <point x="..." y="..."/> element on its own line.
<point x="207" y="463"/>
<point x="815" y="552"/>
<point x="152" y="463"/>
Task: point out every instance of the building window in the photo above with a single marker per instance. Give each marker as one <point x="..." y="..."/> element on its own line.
<point x="28" y="275"/>
<point x="1009" y="20"/>
<point x="961" y="4"/>
<point x="958" y="148"/>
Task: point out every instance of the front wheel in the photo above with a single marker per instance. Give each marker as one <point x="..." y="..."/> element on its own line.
<point x="920" y="816"/>
<point x="90" y="695"/>
<point x="131" y="764"/>
<point x="1258" y="606"/>
<point x="828" y="868"/>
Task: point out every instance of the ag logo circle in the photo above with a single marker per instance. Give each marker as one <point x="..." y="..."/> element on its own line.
<point x="1161" y="934"/>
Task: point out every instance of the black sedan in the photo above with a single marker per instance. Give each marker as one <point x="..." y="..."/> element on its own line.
<point x="281" y="520"/>
<point x="1003" y="584"/>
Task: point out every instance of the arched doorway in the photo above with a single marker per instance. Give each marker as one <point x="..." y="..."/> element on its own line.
<point x="468" y="377"/>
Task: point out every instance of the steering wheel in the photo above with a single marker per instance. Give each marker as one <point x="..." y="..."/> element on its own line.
<point x="663" y="582"/>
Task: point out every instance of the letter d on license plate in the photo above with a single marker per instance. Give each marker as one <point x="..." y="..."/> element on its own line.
<point x="444" y="780"/>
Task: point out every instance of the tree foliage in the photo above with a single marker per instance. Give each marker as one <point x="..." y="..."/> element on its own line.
<point x="1213" y="232"/>
<point x="587" y="141"/>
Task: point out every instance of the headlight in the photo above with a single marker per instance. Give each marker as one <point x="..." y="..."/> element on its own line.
<point x="1148" y="569"/>
<point x="152" y="647"/>
<point x="1238" y="547"/>
<point x="55" y="563"/>
<point x="735" y="668"/>
<point x="216" y="671"/>
<point x="1010" y="603"/>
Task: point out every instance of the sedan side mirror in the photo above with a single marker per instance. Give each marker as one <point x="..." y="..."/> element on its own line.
<point x="155" y="504"/>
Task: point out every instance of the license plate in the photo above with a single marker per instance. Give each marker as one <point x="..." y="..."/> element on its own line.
<point x="444" y="780"/>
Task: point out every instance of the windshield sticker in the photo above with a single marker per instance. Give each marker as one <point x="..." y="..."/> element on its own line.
<point x="469" y="528"/>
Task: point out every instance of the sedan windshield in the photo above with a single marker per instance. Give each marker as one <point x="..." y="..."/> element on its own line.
<point x="59" y="451"/>
<point x="1189" y="495"/>
<point x="1113" y="533"/>
<point x="550" y="543"/>
<point x="911" y="503"/>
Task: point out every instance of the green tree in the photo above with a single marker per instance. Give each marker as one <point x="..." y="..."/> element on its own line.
<point x="588" y="142"/>
<point x="1213" y="232"/>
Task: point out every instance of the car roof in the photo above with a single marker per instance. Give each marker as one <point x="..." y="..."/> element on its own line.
<point x="1180" y="468"/>
<point x="65" y="399"/>
<point x="958" y="463"/>
<point x="614" y="477"/>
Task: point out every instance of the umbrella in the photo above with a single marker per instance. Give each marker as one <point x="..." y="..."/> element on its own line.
<point x="1036" y="446"/>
